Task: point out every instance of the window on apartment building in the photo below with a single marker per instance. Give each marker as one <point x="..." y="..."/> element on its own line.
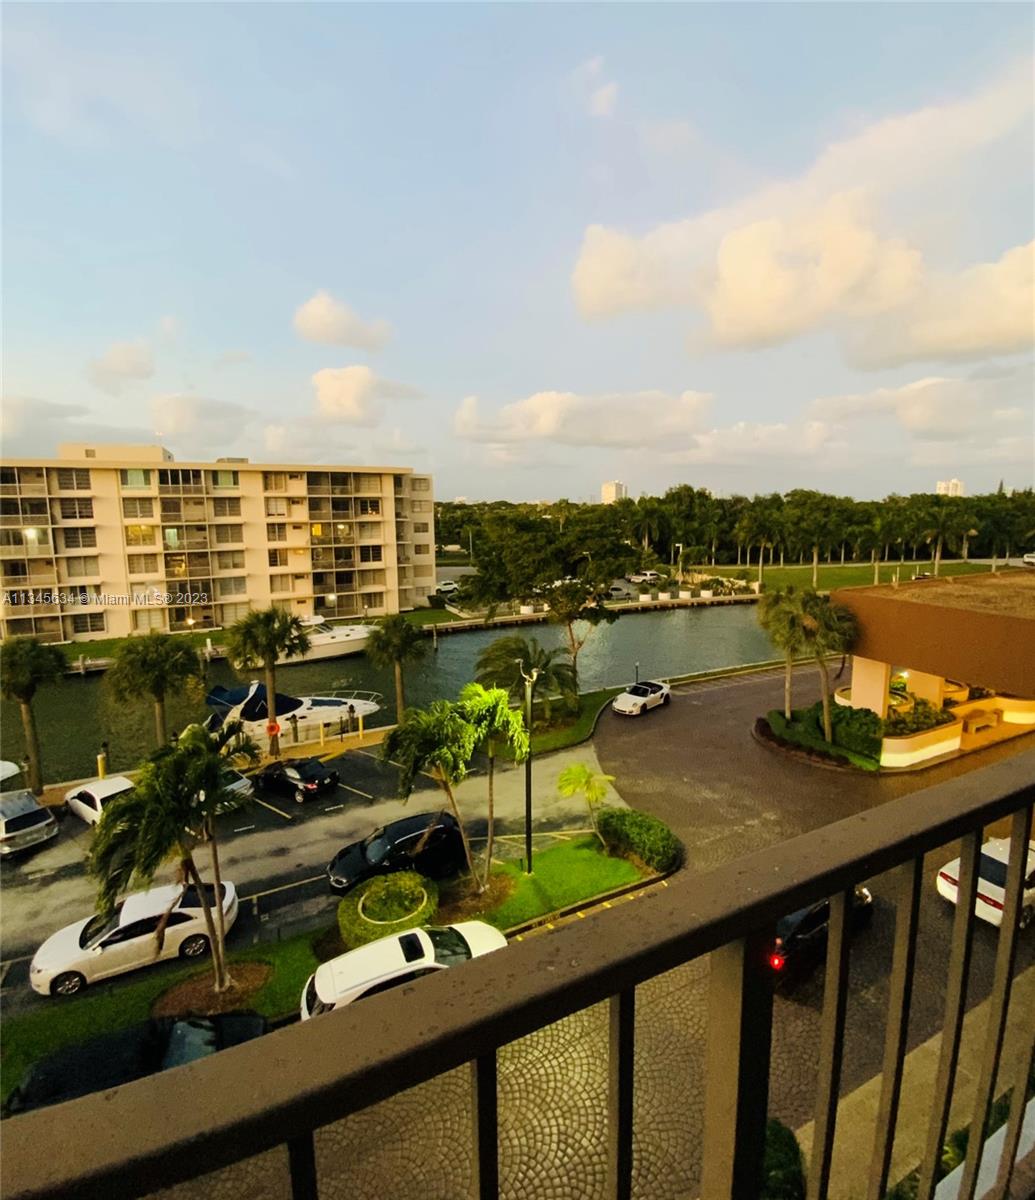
<point x="80" y="565"/>
<point x="374" y="600"/>
<point x="369" y="508"/>
<point x="179" y="477"/>
<point x="140" y="535"/>
<point x="421" y="527"/>
<point x="16" y="570"/>
<point x="138" y="506"/>
<point x="36" y="510"/>
<point x="277" y="558"/>
<point x="8" y="476"/>
<point x="276" y="506"/>
<point x="233" y="585"/>
<point x="229" y="560"/>
<point x="420" y="506"/>
<point x="88" y="623"/>
<point x="274" y="481"/>
<point x="172" y="510"/>
<point x="79" y="539"/>
<point x="419" y="483"/>
<point x="229" y="533"/>
<point x="223" y="478"/>
<point x="143" y="564"/>
<point x="134" y="477"/>
<point x="76" y="509"/>
<point x="369" y="529"/>
<point x="229" y="613"/>
<point x="423" y="548"/>
<point x="148" y="618"/>
<point x="370" y="554"/>
<point x="276" y="533"/>
<point x="227" y="506"/>
<point x="73" y="479"/>
<point x="280" y="583"/>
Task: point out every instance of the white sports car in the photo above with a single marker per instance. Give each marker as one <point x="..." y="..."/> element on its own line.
<point x="638" y="697"/>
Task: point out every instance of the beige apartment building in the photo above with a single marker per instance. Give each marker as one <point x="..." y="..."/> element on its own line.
<point x="110" y="540"/>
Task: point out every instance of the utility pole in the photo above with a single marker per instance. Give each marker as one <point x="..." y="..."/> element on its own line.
<point x="529" y="686"/>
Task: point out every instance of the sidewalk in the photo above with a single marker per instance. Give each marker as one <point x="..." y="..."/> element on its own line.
<point x="857" y="1112"/>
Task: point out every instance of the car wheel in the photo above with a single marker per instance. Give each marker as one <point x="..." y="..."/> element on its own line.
<point x="667" y="699"/>
<point x="643" y="709"/>
<point x="196" y="946"/>
<point x="67" y="984"/>
<point x="299" y="796"/>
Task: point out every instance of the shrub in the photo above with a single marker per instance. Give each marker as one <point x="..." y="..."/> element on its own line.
<point x="436" y="601"/>
<point x="626" y="831"/>
<point x="805" y="729"/>
<point x="396" y="898"/>
<point x="783" y="1170"/>
<point x="858" y="729"/>
<point x="922" y="716"/>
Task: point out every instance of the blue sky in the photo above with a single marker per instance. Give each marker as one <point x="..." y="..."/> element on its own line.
<point x="527" y="248"/>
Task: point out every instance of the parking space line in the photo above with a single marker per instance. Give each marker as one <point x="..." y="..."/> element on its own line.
<point x="333" y="807"/>
<point x="365" y="795"/>
<point x="243" y="828"/>
<point x="286" y="816"/>
<point x="283" y="887"/>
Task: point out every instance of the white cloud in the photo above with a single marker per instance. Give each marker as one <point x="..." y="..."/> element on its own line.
<point x="354" y="395"/>
<point x="32" y="428"/>
<point x="620" y="419"/>
<point x="198" y="419"/>
<point x="397" y="443"/>
<point x="324" y="319"/>
<point x="122" y="363"/>
<point x="597" y="95"/>
<point x="305" y="439"/>
<point x="745" y="442"/>
<point x="792" y="255"/>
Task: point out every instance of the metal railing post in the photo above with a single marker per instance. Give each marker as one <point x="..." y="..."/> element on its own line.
<point x="621" y="1048"/>
<point x="485" y="1182"/>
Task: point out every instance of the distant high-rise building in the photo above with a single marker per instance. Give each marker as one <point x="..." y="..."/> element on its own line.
<point x="613" y="490"/>
<point x="950" y="487"/>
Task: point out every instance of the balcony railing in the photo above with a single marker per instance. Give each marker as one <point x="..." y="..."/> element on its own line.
<point x="280" y="1089"/>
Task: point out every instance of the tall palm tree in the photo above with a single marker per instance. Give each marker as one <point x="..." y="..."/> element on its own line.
<point x="508" y="660"/>
<point x="497" y="724"/>
<point x="827" y="629"/>
<point x="946" y="521"/>
<point x="782" y="615"/>
<point x="394" y="642"/>
<point x="26" y="664"/>
<point x="580" y="779"/>
<point x="440" y="741"/>
<point x="154" y="665"/>
<point x="166" y="816"/>
<point x="259" y="639"/>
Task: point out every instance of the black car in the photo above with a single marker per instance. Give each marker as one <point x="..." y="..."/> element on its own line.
<point x="429" y="843"/>
<point x="299" y="777"/>
<point x="801" y="938"/>
<point x="127" y="1054"/>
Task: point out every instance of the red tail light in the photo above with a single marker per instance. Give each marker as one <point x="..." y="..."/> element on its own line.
<point x="776" y="961"/>
<point x="989" y="901"/>
<point x="948" y="878"/>
<point x="311" y="786"/>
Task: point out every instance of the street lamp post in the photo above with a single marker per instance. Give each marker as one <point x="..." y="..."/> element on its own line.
<point x="529" y="685"/>
<point x="637" y="672"/>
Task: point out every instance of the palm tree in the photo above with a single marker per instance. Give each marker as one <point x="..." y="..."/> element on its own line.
<point x="508" y="660"/>
<point x="153" y="665"/>
<point x="648" y="520"/>
<point x="827" y="629"/>
<point x="26" y="664"/>
<point x="782" y="615"/>
<point x="489" y="711"/>
<point x="259" y="639"/>
<point x="579" y="779"/>
<point x="392" y="643"/>
<point x="166" y="815"/>
<point x="440" y="741"/>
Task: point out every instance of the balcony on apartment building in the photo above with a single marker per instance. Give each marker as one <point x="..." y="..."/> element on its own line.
<point x="285" y="1096"/>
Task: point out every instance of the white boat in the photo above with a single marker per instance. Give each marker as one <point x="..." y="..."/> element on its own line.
<point x="339" y="710"/>
<point x="329" y="641"/>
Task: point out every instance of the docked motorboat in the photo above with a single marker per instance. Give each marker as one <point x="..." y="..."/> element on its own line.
<point x="329" y="641"/>
<point x="339" y="710"/>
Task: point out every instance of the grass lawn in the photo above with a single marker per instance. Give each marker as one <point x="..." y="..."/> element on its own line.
<point x="578" y="730"/>
<point x="852" y="575"/>
<point x="107" y="647"/>
<point x="31" y="1035"/>
<point x="563" y="875"/>
<point x="430" y="616"/>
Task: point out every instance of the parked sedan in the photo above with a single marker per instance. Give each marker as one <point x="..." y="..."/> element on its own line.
<point x="991" y="887"/>
<point x="143" y="1049"/>
<point x="429" y="843"/>
<point x="644" y="577"/>
<point x="301" y="778"/>
<point x="100" y="947"/>
<point x="87" y="800"/>
<point x="447" y="587"/>
<point x="801" y="937"/>
<point x="638" y="697"/>
<point x="393" y="961"/>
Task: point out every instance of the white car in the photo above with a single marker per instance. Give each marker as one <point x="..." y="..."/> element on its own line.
<point x="393" y="961"/>
<point x="98" y="948"/>
<point x="991" y="887"/>
<point x="645" y="577"/>
<point x="1028" y="559"/>
<point x="447" y="587"/>
<point x="87" y="799"/>
<point x="638" y="697"/>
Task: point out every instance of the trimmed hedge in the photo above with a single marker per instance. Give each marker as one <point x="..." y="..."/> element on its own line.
<point x="804" y="730"/>
<point x="922" y="716"/>
<point x="856" y="729"/>
<point x="627" y="831"/>
<point x="395" y="898"/>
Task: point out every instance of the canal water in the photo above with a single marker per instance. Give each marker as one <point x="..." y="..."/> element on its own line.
<point x="77" y="714"/>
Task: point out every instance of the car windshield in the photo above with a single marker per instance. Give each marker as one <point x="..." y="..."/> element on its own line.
<point x="313" y="1003"/>
<point x="375" y="848"/>
<point x="97" y="928"/>
<point x="191" y="899"/>
<point x="310" y="769"/>
<point x="449" y="946"/>
<point x="993" y="870"/>
<point x="26" y="821"/>
<point x="638" y="690"/>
